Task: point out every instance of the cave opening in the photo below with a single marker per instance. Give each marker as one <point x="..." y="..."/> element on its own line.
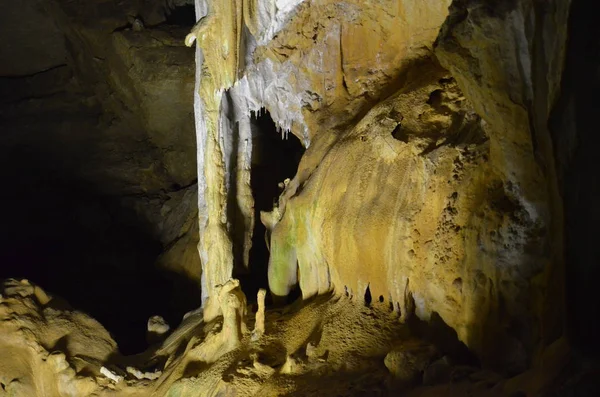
<point x="274" y="158"/>
<point x="184" y="15"/>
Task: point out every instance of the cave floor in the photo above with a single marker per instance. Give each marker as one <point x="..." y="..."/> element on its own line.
<point x="325" y="346"/>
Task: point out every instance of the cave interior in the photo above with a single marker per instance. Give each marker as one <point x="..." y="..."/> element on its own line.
<point x="417" y="205"/>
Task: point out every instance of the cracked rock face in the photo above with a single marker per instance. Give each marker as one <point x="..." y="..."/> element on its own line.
<point x="44" y="50"/>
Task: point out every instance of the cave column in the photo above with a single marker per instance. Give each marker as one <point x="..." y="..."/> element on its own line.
<point x="217" y="36"/>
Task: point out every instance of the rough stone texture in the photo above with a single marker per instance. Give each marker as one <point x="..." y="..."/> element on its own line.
<point x="31" y="41"/>
<point x="45" y="344"/>
<point x="313" y="76"/>
<point x="437" y="218"/>
<point x="153" y="73"/>
<point x="391" y="206"/>
<point x="407" y="361"/>
<point x="515" y="95"/>
<point x="178" y="231"/>
<point x="98" y="150"/>
<point x="50" y="350"/>
<point x="341" y="58"/>
<point x="412" y="202"/>
<point x="144" y="79"/>
<point x="132" y="93"/>
<point x="435" y="191"/>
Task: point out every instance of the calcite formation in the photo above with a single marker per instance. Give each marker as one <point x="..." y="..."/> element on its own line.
<point x="45" y="345"/>
<point x="433" y="189"/>
<point x="427" y="203"/>
<point x="226" y="94"/>
<point x="407" y="361"/>
<point x="241" y="70"/>
<point x="157" y="329"/>
<point x="220" y="299"/>
<point x="515" y="95"/>
<point x="259" y="322"/>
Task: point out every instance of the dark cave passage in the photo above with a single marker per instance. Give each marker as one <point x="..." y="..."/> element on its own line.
<point x="273" y="160"/>
<point x="83" y="180"/>
<point x="181" y="16"/>
<point x="81" y="245"/>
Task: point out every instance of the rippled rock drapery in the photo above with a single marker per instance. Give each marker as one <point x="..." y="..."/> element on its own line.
<point x="312" y="76"/>
<point x="415" y="204"/>
<point x="440" y="199"/>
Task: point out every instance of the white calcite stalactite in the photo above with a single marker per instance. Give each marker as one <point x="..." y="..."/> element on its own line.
<point x="201" y="10"/>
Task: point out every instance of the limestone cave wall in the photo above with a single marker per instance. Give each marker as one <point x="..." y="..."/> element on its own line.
<point x="99" y="160"/>
<point x="429" y="178"/>
<point x="444" y="145"/>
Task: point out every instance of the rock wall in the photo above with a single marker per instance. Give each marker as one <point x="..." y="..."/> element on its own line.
<point x="97" y="134"/>
<point x="573" y="131"/>
<point x="442" y="138"/>
<point x="302" y="61"/>
<point x="44" y="50"/>
<point x="47" y="346"/>
<point x="516" y="94"/>
<point x="417" y="206"/>
<point x="429" y="179"/>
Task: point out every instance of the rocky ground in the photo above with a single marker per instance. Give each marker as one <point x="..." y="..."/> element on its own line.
<point x="327" y="346"/>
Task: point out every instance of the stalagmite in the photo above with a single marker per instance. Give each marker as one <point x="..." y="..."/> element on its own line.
<point x="231" y="303"/>
<point x="215" y="304"/>
<point x="259" y="325"/>
<point x="289" y="366"/>
<point x="232" y="321"/>
<point x="157" y="329"/>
